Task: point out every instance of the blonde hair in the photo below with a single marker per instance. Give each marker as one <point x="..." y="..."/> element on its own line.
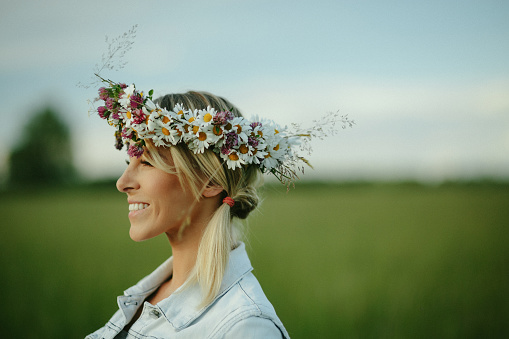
<point x="195" y="172"/>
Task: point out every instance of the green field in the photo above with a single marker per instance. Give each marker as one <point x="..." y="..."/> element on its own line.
<point x="337" y="261"/>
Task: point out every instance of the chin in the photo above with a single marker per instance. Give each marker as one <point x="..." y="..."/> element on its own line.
<point x="138" y="236"/>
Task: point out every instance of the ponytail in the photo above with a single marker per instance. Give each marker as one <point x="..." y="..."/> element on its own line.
<point x="215" y="246"/>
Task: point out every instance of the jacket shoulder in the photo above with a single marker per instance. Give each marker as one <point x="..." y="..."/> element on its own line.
<point x="249" y="312"/>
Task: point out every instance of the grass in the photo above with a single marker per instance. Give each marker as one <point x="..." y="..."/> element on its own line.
<point x="355" y="261"/>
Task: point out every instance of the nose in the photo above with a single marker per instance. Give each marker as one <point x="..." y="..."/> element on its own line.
<point x="127" y="181"/>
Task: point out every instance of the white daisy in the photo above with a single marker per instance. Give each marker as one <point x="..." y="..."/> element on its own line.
<point x="205" y="116"/>
<point x="179" y="110"/>
<point x="203" y="139"/>
<point x="164" y="131"/>
<point x="189" y="126"/>
<point x="125" y="99"/>
<point x="233" y="161"/>
<point x="269" y="162"/>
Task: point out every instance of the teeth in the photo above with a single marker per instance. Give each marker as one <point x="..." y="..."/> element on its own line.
<point x="137" y="207"/>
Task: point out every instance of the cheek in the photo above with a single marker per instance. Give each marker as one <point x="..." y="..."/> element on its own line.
<point x="172" y="201"/>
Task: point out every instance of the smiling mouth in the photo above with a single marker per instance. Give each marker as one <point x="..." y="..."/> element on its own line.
<point x="137" y="207"/>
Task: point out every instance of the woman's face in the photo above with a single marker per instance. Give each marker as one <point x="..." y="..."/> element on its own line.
<point x="157" y="202"/>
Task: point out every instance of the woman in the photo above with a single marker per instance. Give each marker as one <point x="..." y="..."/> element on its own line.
<point x="194" y="167"/>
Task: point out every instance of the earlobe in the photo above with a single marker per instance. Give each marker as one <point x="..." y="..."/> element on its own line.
<point x="212" y="191"/>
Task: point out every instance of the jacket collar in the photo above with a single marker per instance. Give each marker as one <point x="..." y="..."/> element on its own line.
<point x="182" y="307"/>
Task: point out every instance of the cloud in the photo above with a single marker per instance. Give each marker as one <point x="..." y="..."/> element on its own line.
<point x="432" y="100"/>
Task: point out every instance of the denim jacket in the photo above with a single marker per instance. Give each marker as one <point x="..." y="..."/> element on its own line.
<point x="240" y="310"/>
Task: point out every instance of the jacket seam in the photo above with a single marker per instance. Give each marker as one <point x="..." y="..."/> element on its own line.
<point x="237" y="316"/>
<point x="247" y="295"/>
<point x="115" y="327"/>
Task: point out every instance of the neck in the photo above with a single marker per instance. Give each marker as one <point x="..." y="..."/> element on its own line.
<point x="184" y="251"/>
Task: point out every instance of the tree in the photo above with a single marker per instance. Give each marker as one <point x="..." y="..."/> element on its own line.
<point x="43" y="156"/>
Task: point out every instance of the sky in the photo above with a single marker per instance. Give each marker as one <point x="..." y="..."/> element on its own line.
<point x="427" y="83"/>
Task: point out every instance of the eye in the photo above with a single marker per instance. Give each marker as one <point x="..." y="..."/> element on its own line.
<point x="127" y="162"/>
<point x="146" y="163"/>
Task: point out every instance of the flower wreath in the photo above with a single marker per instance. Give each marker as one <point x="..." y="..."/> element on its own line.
<point x="237" y="140"/>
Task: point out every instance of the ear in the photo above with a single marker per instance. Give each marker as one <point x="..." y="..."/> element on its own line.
<point x="212" y="191"/>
